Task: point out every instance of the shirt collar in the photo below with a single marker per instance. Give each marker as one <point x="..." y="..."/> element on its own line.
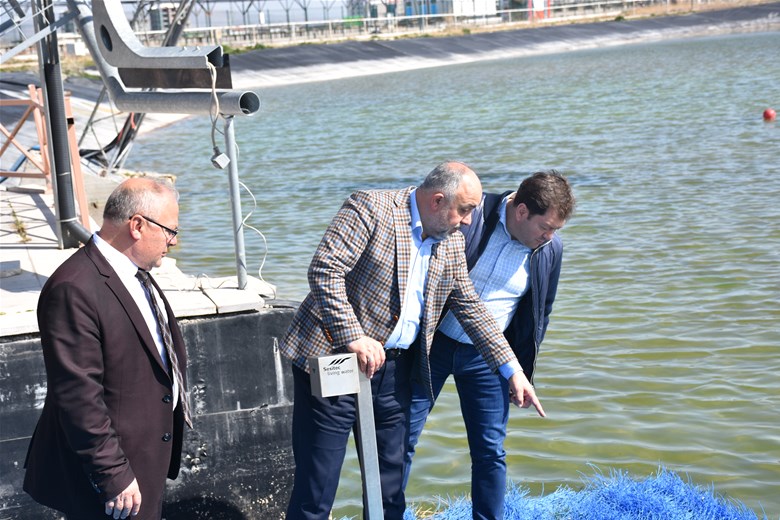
<point x="502" y="214"/>
<point x="123" y="266"/>
<point x="416" y="223"/>
<point x="502" y="219"/>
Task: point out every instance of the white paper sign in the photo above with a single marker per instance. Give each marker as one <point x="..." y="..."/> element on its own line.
<point x="334" y="375"/>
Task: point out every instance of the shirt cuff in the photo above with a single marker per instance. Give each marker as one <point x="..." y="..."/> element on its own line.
<point x="508" y="369"/>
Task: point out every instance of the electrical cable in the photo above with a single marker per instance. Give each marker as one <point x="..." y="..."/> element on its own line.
<point x="214" y="117"/>
<point x="265" y="242"/>
<point x="214" y="108"/>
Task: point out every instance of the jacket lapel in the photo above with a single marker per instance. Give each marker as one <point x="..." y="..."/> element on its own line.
<point x="402" y="216"/>
<point x="432" y="300"/>
<point x="114" y="283"/>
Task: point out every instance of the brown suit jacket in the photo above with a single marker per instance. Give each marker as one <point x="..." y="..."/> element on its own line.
<point x="108" y="415"/>
<point x="358" y="281"/>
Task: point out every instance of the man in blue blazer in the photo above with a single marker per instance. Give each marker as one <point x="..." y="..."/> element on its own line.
<point x="514" y="259"/>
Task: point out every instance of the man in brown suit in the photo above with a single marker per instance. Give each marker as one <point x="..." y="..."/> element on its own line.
<point x="386" y="266"/>
<point x="112" y="424"/>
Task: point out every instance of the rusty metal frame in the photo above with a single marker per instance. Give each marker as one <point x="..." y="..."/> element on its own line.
<point x="35" y="108"/>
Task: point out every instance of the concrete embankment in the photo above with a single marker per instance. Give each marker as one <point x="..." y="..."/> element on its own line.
<point x="236" y="464"/>
<point x="288" y="65"/>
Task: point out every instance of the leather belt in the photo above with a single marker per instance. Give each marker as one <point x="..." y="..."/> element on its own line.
<point x="395" y="353"/>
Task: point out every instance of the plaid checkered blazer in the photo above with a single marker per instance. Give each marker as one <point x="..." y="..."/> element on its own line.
<point x="358" y="279"/>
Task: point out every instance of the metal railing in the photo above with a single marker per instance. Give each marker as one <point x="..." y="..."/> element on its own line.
<point x="389" y="27"/>
<point x="290" y="33"/>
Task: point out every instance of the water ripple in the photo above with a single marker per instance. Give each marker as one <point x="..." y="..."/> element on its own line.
<point x="663" y="346"/>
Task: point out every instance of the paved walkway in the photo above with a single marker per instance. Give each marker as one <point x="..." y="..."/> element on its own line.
<point x="30" y="252"/>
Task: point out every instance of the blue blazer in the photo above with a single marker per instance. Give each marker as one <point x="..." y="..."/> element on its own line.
<point x="528" y="325"/>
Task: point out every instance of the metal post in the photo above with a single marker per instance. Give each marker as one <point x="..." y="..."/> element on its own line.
<point x="235" y="200"/>
<point x="369" y="457"/>
<point x="71" y="232"/>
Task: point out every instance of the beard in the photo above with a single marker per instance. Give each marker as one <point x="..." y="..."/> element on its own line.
<point x="440" y="227"/>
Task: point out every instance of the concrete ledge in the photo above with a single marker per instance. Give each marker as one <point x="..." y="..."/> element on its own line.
<point x="26" y="265"/>
<point x="234" y="300"/>
<point x="18" y="323"/>
<point x="236" y="463"/>
<point x="190" y="303"/>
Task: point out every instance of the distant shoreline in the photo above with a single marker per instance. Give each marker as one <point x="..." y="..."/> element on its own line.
<point x="291" y="65"/>
<point x="307" y="63"/>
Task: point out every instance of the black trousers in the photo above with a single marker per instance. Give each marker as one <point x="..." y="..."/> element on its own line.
<point x="321" y="429"/>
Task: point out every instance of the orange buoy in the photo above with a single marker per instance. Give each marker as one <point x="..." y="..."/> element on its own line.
<point x="770" y="114"/>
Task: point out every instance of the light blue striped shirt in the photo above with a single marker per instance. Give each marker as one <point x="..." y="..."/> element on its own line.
<point x="408" y="324"/>
<point x="500" y="278"/>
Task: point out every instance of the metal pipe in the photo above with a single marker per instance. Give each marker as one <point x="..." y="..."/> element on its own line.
<point x="369" y="454"/>
<point x="231" y="103"/>
<point x="71" y="230"/>
<point x="235" y="201"/>
<point x="196" y="103"/>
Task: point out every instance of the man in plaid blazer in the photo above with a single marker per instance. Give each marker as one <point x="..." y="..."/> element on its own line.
<point x="386" y="266"/>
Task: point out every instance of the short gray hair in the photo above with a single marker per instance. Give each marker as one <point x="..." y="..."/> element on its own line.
<point x="130" y="198"/>
<point x="445" y="178"/>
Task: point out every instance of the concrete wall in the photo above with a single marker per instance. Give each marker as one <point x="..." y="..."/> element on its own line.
<point x="237" y="463"/>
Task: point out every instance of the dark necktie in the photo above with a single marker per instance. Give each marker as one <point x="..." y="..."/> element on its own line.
<point x="168" y="342"/>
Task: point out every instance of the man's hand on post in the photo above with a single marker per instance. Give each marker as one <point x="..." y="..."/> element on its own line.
<point x="126" y="503"/>
<point x="370" y="354"/>
<point x="522" y="393"/>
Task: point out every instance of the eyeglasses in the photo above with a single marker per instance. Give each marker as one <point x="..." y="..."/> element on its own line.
<point x="170" y="232"/>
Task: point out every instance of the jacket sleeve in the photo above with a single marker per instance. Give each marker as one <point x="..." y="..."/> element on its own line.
<point x="73" y="353"/>
<point x="475" y="319"/>
<point x="340" y="249"/>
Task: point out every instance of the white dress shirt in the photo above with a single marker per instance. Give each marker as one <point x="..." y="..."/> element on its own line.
<point x="126" y="270"/>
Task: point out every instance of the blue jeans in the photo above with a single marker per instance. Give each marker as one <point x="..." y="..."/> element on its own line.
<point x="484" y="403"/>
